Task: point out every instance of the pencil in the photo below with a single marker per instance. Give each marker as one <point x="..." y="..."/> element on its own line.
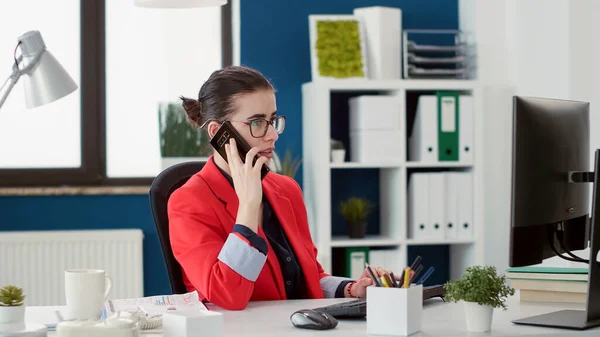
<point x="406" y="277"/>
<point x="373" y="277"/>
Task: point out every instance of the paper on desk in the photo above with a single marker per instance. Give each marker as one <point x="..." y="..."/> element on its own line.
<point x="155" y="305"/>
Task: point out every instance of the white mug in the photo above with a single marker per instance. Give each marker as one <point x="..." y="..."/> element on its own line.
<point x="86" y="291"/>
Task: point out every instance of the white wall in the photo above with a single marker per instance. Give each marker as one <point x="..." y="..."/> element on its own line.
<point x="543" y="48"/>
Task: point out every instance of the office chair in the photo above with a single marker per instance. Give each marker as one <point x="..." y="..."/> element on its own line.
<point x="162" y="186"/>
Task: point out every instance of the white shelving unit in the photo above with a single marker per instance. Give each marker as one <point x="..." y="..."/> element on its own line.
<point x="318" y="172"/>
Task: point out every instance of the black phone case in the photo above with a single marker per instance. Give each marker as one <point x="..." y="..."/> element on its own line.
<point x="225" y="132"/>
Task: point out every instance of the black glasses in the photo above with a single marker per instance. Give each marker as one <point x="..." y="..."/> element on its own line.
<point x="259" y="127"/>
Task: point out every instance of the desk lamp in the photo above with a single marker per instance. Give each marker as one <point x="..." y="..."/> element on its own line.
<point x="179" y="3"/>
<point x="46" y="79"/>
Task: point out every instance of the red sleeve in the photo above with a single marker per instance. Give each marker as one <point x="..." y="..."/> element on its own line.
<point x="221" y="266"/>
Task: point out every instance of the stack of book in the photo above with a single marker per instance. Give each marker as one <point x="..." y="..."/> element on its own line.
<point x="549" y="284"/>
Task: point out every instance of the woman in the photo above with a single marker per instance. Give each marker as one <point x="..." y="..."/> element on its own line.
<point x="239" y="238"/>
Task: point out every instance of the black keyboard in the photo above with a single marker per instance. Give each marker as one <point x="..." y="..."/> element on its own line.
<point x="358" y="307"/>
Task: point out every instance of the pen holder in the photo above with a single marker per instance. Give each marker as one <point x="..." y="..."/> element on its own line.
<point x="394" y="311"/>
<point x="193" y="323"/>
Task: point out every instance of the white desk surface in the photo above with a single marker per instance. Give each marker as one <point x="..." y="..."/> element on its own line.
<point x="439" y="319"/>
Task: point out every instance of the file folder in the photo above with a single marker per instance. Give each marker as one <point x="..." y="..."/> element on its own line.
<point x="437" y="214"/>
<point x="451" y="180"/>
<point x="448" y="117"/>
<point x="355" y="261"/>
<point x="465" y="206"/>
<point x="418" y="205"/>
<point x="465" y="129"/>
<point x="423" y="140"/>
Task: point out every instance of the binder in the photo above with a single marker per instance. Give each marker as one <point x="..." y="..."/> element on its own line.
<point x="448" y="117"/>
<point x="465" y="129"/>
<point x="423" y="140"/>
<point x="437" y="209"/>
<point x="451" y="180"/>
<point x="418" y="205"/>
<point x="465" y="206"/>
<point x="355" y="261"/>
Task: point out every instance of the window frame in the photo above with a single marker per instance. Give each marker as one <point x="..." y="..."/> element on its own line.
<point x="92" y="171"/>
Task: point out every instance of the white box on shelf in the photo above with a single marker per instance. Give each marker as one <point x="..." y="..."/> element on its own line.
<point x="376" y="146"/>
<point x="383" y="28"/>
<point x="394" y="311"/>
<point x="193" y="323"/>
<point x="376" y="112"/>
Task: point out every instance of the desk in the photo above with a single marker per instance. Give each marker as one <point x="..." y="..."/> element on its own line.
<point x="439" y="319"/>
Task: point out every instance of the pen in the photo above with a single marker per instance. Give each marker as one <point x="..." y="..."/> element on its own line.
<point x="416" y="262"/>
<point x="394" y="282"/>
<point x="389" y="280"/>
<point x="417" y="272"/>
<point x="406" y="277"/>
<point x="375" y="279"/>
<point x="426" y="275"/>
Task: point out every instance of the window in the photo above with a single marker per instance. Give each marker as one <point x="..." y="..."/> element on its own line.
<point x="126" y="60"/>
<point x="152" y="57"/>
<point x="47" y="136"/>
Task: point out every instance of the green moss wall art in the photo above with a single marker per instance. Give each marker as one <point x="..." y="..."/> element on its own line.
<point x="337" y="47"/>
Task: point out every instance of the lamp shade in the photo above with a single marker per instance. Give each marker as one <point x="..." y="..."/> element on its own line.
<point x="179" y="3"/>
<point x="45" y="79"/>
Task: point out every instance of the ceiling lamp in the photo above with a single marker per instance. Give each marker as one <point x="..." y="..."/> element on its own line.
<point x="179" y="3"/>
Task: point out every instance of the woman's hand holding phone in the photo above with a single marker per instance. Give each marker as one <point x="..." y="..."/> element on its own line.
<point x="247" y="183"/>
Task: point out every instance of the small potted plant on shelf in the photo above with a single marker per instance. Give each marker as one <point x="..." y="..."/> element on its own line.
<point x="355" y="211"/>
<point x="481" y="290"/>
<point x="338" y="152"/>
<point x="12" y="308"/>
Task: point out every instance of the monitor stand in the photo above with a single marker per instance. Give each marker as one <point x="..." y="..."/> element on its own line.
<point x="590" y="317"/>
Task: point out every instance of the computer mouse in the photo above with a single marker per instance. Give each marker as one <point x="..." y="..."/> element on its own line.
<point x="312" y="319"/>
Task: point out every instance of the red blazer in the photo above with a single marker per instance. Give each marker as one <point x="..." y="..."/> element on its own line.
<point x="202" y="214"/>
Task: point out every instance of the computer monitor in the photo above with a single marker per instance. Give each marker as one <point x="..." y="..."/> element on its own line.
<point x="550" y="206"/>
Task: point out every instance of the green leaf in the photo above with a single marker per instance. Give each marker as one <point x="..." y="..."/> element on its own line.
<point x="479" y="284"/>
<point x="290" y="166"/>
<point x="11" y="296"/>
<point x="355" y="209"/>
<point x="177" y="137"/>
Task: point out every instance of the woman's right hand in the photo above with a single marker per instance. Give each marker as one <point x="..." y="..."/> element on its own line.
<point x="247" y="183"/>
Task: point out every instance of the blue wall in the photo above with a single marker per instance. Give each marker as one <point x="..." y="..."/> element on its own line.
<point x="25" y="213"/>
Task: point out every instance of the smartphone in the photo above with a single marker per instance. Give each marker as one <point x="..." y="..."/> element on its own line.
<point x="225" y="132"/>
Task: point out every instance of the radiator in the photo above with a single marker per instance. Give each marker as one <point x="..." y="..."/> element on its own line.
<point x="36" y="261"/>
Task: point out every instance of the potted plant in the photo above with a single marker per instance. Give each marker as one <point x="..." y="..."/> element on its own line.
<point x="12" y="308"/>
<point x="179" y="141"/>
<point x="481" y="290"/>
<point x="355" y="211"/>
<point x="290" y="166"/>
<point x="338" y="152"/>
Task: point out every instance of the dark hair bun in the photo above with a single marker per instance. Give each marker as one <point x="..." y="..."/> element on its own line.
<point x="193" y="109"/>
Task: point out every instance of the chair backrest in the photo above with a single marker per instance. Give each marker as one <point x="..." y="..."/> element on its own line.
<point x="162" y="186"/>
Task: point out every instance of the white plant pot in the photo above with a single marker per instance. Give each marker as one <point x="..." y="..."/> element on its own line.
<point x="14" y="314"/>
<point x="166" y="162"/>
<point x="478" y="317"/>
<point x="338" y="156"/>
